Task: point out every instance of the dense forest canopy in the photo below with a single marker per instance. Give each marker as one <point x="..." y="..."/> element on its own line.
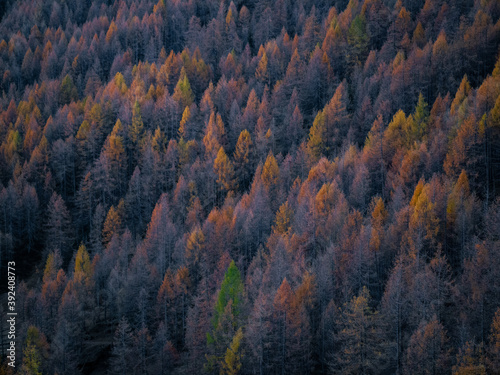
<point x="252" y="187"/>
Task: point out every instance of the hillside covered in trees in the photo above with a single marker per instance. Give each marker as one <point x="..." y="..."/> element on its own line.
<point x="251" y="187"/>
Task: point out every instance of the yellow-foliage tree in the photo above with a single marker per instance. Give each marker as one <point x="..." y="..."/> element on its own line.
<point x="113" y="222"/>
<point x="224" y="169"/>
<point x="283" y="218"/>
<point x="270" y="172"/>
<point x="232" y="359"/>
<point x="243" y="155"/>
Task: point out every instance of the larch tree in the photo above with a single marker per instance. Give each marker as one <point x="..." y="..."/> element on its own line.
<point x="378" y="221"/>
<point x="270" y="172"/>
<point x="184" y="124"/>
<point x="336" y="119"/>
<point x="261" y="73"/>
<point x="258" y="332"/>
<point x="68" y="91"/>
<point x="395" y="135"/>
<point x="223" y="168"/>
<point x="114" y="148"/>
<point x="142" y="348"/>
<point x="227" y="318"/>
<point x="470" y="360"/>
<point x="373" y="155"/>
<point x="243" y="159"/>
<point x="113" y="223"/>
<point x="290" y="337"/>
<point x="294" y="72"/>
<point x="420" y="120"/>
<point x="58" y="226"/>
<point x="164" y="301"/>
<point x="161" y="235"/>
<point x="35" y="351"/>
<point x="232" y="359"/>
<point x="316" y="145"/>
<point x="54" y="282"/>
<point x="493" y="355"/>
<point x="197" y="325"/>
<point x="295" y="129"/>
<point x="418" y="37"/>
<point x="214" y="136"/>
<point x="284" y="217"/>
<point x="357" y="40"/>
<point x="135" y="206"/>
<point x="68" y="335"/>
<point x="461" y="95"/>
<point x="460" y="215"/>
<point x="30" y="215"/>
<point x="250" y="114"/>
<point x="362" y="348"/>
<point x="467" y="152"/>
<point x="123" y="344"/>
<point x="183" y="93"/>
<point x="316" y="80"/>
<point x="83" y="277"/>
<point x="423" y="223"/>
<point x="136" y="131"/>
<point x="427" y="351"/>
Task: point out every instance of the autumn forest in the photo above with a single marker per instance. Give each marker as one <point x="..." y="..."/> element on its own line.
<point x="251" y="187"/>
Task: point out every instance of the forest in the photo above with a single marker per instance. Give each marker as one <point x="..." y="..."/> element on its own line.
<point x="251" y="187"/>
